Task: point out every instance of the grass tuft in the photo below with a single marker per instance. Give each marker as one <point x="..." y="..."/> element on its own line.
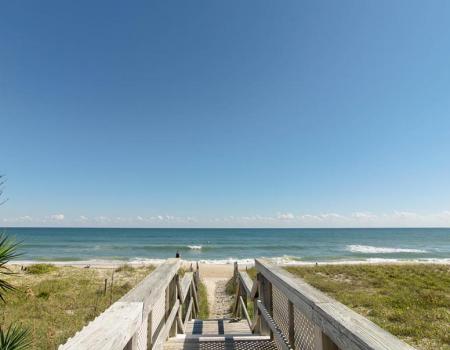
<point x="230" y="287"/>
<point x="125" y="268"/>
<point x="39" y="269"/>
<point x="203" y="301"/>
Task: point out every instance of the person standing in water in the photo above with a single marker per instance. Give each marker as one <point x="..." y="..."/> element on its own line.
<point x="177" y="254"/>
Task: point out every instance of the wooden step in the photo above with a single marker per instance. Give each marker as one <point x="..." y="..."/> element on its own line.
<point x="221" y="334"/>
<point x="218" y="327"/>
<point x="220" y="343"/>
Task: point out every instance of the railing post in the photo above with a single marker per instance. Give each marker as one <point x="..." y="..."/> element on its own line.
<point x="291" y="324"/>
<point x="265" y="295"/>
<point x="244" y="297"/>
<point x="149" y="330"/>
<point x="193" y="306"/>
<point x="322" y="341"/>
<point x="173" y="296"/>
<point x="197" y="275"/>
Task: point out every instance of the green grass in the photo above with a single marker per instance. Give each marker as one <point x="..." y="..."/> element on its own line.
<point x="203" y="301"/>
<point x="39" y="269"/>
<point x="410" y="301"/>
<point x="230" y="289"/>
<point x="54" y="305"/>
<point x="125" y="268"/>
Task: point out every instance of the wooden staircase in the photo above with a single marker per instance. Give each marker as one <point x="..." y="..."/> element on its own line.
<point x="162" y="312"/>
<point x="219" y="334"/>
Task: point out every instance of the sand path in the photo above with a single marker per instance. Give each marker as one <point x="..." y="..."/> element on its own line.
<point x="215" y="279"/>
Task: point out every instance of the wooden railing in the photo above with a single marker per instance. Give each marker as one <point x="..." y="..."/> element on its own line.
<point x="158" y="307"/>
<point x="298" y="316"/>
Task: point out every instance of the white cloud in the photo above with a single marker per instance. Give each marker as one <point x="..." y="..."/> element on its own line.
<point x="21" y="219"/>
<point x="286" y="219"/>
<point x="363" y="216"/>
<point x="56" y="217"/>
<point x="285" y="216"/>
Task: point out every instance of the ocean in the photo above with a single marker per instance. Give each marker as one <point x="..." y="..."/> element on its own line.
<point x="292" y="246"/>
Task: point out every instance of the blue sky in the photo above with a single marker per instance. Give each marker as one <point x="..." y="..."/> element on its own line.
<point x="225" y="113"/>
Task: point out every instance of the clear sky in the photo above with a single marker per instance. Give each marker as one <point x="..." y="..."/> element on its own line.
<point x="225" y="113"/>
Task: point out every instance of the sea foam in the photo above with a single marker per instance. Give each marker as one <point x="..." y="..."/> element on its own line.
<point x="367" y="249"/>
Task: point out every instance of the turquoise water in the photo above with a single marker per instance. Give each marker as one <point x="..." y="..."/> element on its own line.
<point x="224" y="245"/>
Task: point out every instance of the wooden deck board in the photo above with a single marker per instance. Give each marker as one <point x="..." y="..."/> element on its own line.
<point x="217" y="327"/>
<point x="219" y="335"/>
<point x="228" y="343"/>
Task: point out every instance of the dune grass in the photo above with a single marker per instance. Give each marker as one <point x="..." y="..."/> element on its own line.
<point x="410" y="301"/>
<point x="230" y="289"/>
<point x="39" y="269"/>
<point x="56" y="302"/>
<point x="203" y="301"/>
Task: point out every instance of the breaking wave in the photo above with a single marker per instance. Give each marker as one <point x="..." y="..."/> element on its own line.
<point x="195" y="247"/>
<point x="367" y="249"/>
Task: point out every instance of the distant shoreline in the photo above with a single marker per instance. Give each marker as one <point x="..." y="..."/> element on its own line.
<point x="97" y="263"/>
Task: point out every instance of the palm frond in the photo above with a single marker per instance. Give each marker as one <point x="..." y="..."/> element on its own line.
<point x="8" y="251"/>
<point x="14" y="338"/>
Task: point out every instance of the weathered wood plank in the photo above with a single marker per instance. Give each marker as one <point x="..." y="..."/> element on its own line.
<point x="244" y="309"/>
<point x="112" y="330"/>
<point x="224" y="343"/>
<point x="188" y="314"/>
<point x="217" y="327"/>
<point x="195" y="297"/>
<point x="184" y="285"/>
<point x="152" y="286"/>
<point x="247" y="282"/>
<point x="162" y="336"/>
<point x="346" y="328"/>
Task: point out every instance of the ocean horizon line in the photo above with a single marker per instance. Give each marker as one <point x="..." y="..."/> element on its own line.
<point x="233" y="228"/>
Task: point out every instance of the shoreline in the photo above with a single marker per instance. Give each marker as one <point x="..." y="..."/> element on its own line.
<point x="109" y="264"/>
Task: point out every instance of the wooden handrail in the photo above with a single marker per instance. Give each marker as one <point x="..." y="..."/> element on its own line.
<point x="184" y="285"/>
<point x="244" y="308"/>
<point x="112" y="330"/>
<point x="188" y="312"/>
<point x="152" y="286"/>
<point x="344" y="327"/>
<point x="246" y="281"/>
<point x="165" y="331"/>
<point x="126" y="324"/>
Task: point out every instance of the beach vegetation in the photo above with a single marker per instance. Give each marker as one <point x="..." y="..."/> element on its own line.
<point x="54" y="306"/>
<point x="39" y="269"/>
<point x="203" y="301"/>
<point x="14" y="338"/>
<point x="230" y="287"/>
<point x="8" y="251"/>
<point x="125" y="268"/>
<point x="411" y="301"/>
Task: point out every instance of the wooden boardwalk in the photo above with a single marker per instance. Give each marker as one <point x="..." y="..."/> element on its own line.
<point x="161" y="313"/>
<point x="220" y="334"/>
